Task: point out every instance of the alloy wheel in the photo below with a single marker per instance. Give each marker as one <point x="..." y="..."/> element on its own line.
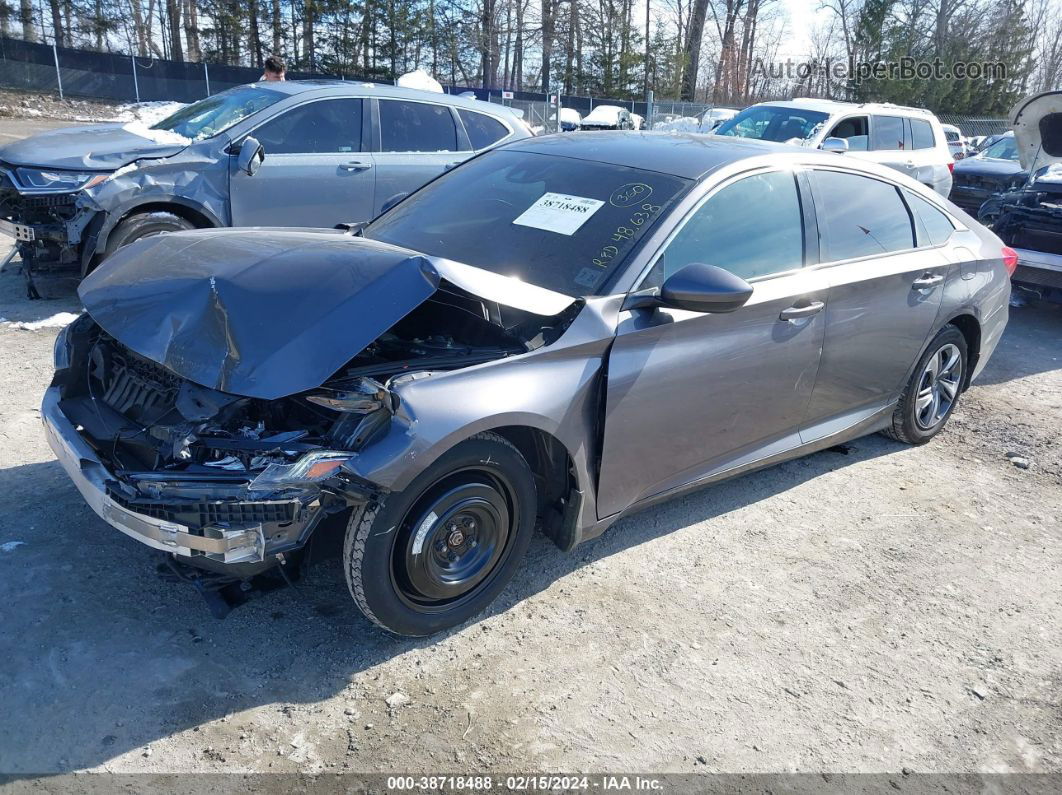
<point x="938" y="386"/>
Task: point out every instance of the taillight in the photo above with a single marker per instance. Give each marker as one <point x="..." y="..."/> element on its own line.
<point x="951" y="167"/>
<point x="1010" y="259"/>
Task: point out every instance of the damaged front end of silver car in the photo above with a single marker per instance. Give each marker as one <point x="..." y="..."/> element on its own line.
<point x="219" y="416"/>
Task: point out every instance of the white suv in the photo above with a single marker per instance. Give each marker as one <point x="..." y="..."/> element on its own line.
<point x="910" y="140"/>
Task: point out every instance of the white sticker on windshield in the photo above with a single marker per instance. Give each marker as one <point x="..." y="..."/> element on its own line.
<point x="559" y="212"/>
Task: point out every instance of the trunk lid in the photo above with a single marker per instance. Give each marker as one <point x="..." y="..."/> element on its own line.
<point x="1037" y="125"/>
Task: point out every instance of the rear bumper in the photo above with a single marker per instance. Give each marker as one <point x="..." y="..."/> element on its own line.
<point x="1038" y="268"/>
<point x="212" y="545"/>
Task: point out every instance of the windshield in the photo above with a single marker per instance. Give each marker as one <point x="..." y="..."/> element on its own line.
<point x="1003" y="149"/>
<point x="773" y="123"/>
<point x="217" y="113"/>
<point x="555" y="222"/>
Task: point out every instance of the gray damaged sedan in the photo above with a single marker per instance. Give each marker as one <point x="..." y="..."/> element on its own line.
<point x="311" y="153"/>
<point x="555" y="334"/>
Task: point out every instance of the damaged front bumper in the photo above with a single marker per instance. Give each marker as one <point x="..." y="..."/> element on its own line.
<point x="52" y="233"/>
<point x="242" y="534"/>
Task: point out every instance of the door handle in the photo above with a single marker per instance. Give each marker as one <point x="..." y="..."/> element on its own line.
<point x="355" y="166"/>
<point x="926" y="281"/>
<point x="796" y="312"/>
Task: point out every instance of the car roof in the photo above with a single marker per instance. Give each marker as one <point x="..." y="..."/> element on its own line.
<point x="686" y="155"/>
<point x="342" y="88"/>
<point x="833" y="106"/>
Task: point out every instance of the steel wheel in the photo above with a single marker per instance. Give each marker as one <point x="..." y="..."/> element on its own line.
<point x="938" y="386"/>
<point x="453" y="539"/>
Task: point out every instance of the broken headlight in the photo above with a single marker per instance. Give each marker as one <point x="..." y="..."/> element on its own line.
<point x="61" y="350"/>
<point x="47" y="180"/>
<point x="310" y="468"/>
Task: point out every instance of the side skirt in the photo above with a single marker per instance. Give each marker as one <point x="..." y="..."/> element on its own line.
<point x="864" y="427"/>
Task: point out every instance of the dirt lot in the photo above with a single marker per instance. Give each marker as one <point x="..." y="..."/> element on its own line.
<point x="887" y="608"/>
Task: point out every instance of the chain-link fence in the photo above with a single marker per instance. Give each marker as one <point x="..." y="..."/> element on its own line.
<point x="30" y="66"/>
<point x="973" y="126"/>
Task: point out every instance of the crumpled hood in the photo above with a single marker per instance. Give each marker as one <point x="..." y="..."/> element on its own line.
<point x="1037" y="125"/>
<point x="272" y="312"/>
<point x="95" y="147"/>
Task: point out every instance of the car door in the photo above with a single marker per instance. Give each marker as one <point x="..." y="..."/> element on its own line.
<point x="314" y="172"/>
<point x="884" y="297"/>
<point x="416" y="141"/>
<point x="690" y="394"/>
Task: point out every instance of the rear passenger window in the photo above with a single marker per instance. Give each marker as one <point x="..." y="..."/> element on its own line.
<point x="325" y="127"/>
<point x="922" y="133"/>
<point x="482" y="129"/>
<point x="888" y="132"/>
<point x="416" y="127"/>
<point x="933" y="226"/>
<point x="859" y="216"/>
<point x="729" y="230"/>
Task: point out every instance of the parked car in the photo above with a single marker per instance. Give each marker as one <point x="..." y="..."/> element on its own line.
<point x="554" y="334"/>
<point x="305" y="153"/>
<point x="705" y="122"/>
<point x="637" y="121"/>
<point x="570" y="120"/>
<point x="957" y="143"/>
<point x="1030" y="217"/>
<point x="993" y="171"/>
<point x="608" y="117"/>
<point x="909" y="140"/>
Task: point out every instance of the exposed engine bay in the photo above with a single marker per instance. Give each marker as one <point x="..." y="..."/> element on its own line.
<point x="141" y="416"/>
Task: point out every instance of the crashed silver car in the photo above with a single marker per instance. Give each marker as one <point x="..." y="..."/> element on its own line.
<point x="556" y="333"/>
<point x="312" y="153"/>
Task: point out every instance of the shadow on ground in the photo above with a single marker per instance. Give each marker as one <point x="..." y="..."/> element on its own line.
<point x="87" y="618"/>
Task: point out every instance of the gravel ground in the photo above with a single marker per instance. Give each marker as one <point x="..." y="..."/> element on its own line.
<point x="887" y="608"/>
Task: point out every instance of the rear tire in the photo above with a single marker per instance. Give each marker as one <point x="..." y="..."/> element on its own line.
<point x="141" y="225"/>
<point x="430" y="557"/>
<point x="933" y="391"/>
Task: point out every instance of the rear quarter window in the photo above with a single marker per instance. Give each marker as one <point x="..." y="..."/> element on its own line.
<point x="922" y="132"/>
<point x="482" y="129"/>
<point x="932" y="225"/>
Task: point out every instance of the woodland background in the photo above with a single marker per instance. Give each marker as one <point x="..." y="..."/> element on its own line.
<point x="695" y="50"/>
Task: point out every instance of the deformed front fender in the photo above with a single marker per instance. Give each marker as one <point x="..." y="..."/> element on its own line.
<point x="195" y="179"/>
<point x="556" y="389"/>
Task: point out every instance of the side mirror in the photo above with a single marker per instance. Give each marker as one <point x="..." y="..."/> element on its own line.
<point x="251" y="156"/>
<point x="831" y="144"/>
<point x="695" y="288"/>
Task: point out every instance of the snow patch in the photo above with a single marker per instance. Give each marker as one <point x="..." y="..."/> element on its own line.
<point x="147" y="112"/>
<point x="158" y="136"/>
<point x="420" y="79"/>
<point x="10" y="546"/>
<point x="55" y="321"/>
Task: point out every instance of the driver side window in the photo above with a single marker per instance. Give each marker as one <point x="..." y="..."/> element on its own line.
<point x="752" y="227"/>
<point x="854" y="129"/>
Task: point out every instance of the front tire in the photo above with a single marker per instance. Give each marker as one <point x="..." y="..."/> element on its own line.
<point x="933" y="391"/>
<point x="437" y="553"/>
<point x="141" y="225"/>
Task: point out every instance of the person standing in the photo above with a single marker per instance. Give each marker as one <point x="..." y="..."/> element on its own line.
<point x="273" y="70"/>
